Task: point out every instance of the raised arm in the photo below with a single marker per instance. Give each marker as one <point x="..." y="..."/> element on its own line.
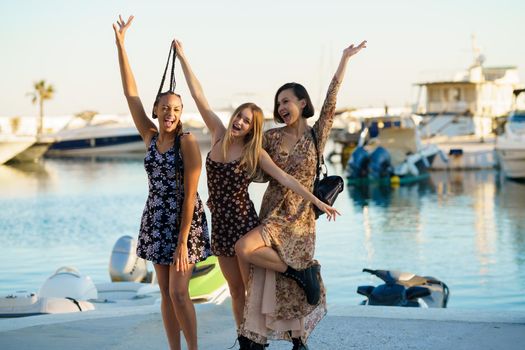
<point x="211" y="119"/>
<point x="347" y="53"/>
<point x="269" y="167"/>
<point x="191" y="156"/>
<point x="144" y="125"/>
<point x="326" y="118"/>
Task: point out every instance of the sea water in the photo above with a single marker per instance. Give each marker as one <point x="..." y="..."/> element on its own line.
<point x="466" y="228"/>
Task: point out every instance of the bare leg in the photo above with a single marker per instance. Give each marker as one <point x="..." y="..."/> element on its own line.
<point x="171" y="324"/>
<point x="182" y="304"/>
<point x="230" y="270"/>
<point x="244" y="268"/>
<point x="251" y="249"/>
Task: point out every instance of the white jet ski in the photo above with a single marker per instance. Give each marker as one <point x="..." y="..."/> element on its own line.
<point x="131" y="285"/>
<point x="63" y="292"/>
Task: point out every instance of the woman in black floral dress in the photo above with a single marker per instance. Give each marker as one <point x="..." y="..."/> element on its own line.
<point x="231" y="164"/>
<point x="162" y="214"/>
<point x="173" y="232"/>
<point x="233" y="212"/>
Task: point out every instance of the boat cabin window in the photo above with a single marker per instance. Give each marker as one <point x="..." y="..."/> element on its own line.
<point x="455" y="94"/>
<point x="452" y="94"/>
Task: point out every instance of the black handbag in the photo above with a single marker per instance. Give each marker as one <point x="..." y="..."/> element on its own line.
<point x="328" y="188"/>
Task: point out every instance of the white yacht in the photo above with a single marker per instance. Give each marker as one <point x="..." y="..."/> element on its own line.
<point x="510" y="146"/>
<point x="93" y="134"/>
<point x="460" y="113"/>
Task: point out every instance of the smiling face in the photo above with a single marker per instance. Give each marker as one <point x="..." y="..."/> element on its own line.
<point x="245" y="127"/>
<point x="292" y="101"/>
<point x="168" y="110"/>
<point x="289" y="107"/>
<point x="241" y="123"/>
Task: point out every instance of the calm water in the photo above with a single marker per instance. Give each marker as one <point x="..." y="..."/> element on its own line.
<point x="466" y="228"/>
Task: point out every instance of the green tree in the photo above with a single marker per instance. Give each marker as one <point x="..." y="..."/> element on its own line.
<point x="42" y="91"/>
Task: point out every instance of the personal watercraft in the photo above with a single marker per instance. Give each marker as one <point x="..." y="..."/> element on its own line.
<point x="405" y="289"/>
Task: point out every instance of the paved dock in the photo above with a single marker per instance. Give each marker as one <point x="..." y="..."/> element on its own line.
<point x="355" y="327"/>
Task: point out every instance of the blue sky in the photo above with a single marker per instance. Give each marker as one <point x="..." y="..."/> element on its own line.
<point x="244" y="50"/>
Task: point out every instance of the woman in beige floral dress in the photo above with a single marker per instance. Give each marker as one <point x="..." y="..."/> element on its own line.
<point x="285" y="294"/>
<point x="234" y="158"/>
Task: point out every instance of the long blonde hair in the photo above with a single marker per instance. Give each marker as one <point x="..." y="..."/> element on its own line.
<point x="252" y="140"/>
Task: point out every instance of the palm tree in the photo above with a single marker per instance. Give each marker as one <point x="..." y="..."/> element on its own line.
<point x="41" y="92"/>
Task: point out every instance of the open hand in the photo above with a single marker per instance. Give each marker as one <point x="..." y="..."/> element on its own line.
<point x="330" y="212"/>
<point x="120" y="28"/>
<point x="352" y="50"/>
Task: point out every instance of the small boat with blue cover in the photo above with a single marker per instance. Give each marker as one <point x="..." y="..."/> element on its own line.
<point x="390" y="152"/>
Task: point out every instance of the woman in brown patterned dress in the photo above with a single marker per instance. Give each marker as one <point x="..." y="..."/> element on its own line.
<point x="231" y="164"/>
<point x="277" y="307"/>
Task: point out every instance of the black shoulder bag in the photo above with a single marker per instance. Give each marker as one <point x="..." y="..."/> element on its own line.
<point x="328" y="188"/>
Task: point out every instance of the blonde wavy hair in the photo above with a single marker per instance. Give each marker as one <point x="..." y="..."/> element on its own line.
<point x="252" y="140"/>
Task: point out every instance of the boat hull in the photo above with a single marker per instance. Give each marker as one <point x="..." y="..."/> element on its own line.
<point x="512" y="162"/>
<point x="388" y="181"/>
<point x="32" y="153"/>
<point x="109" y="145"/>
<point x="11" y="146"/>
<point x="21" y="305"/>
<point x="465" y="153"/>
<point x="207" y="285"/>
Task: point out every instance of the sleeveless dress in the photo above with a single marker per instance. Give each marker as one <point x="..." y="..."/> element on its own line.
<point x="161" y="218"/>
<point x="232" y="211"/>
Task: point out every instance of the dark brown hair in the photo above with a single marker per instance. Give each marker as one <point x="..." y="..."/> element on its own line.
<point x="299" y="92"/>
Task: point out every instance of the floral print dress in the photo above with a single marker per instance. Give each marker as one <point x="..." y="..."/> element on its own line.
<point x="161" y="218"/>
<point x="275" y="306"/>
<point x="232" y="211"/>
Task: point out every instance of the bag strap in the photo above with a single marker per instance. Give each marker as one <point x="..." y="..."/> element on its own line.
<point x="320" y="159"/>
<point x="172" y="77"/>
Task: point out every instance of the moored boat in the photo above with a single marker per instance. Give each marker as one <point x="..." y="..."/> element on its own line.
<point x="63" y="292"/>
<point x="510" y="146"/>
<point x="95" y="135"/>
<point x="460" y="113"/>
<point x="390" y="152"/>
<point x="405" y="289"/>
<point x="35" y="151"/>
<point x="131" y="285"/>
<point x="13" y="145"/>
